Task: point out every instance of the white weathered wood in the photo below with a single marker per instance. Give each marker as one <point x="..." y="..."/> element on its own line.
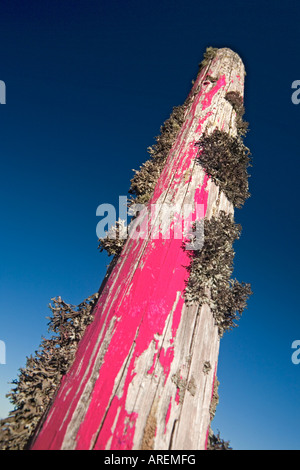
<point x="138" y="381"/>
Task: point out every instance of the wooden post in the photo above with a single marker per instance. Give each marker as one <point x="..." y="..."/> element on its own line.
<point x="144" y="371"/>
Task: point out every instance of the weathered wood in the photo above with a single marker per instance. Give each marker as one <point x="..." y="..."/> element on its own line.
<point x="144" y="370"/>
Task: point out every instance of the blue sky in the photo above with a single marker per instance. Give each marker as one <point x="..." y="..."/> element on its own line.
<point x="88" y="85"/>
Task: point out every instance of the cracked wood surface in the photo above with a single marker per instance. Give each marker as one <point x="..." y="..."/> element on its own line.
<point x="139" y="378"/>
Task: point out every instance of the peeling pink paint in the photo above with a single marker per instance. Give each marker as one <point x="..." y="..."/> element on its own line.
<point x="152" y="368"/>
<point x="177" y="396"/>
<point x="141" y="302"/>
<point x="166" y="359"/>
<point x="209" y="96"/>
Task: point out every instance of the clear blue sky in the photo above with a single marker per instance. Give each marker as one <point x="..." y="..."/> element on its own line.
<point x="88" y="85"/>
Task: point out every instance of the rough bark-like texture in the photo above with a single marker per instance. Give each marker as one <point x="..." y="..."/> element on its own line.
<point x="144" y="371"/>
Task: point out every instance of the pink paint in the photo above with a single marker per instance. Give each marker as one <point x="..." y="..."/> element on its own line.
<point x="166" y="359"/>
<point x="177" y="396"/>
<point x="209" y="95"/>
<point x="122" y="438"/>
<point x="152" y="368"/>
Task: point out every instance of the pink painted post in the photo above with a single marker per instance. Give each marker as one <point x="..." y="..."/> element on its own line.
<point x="137" y="381"/>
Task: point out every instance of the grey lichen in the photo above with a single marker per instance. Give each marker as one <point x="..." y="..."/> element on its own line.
<point x="210" y="273"/>
<point x="115" y="239"/>
<point x="226" y="159"/>
<point x="206" y="367"/>
<point x="145" y="179"/>
<point x="215" y="442"/>
<point x="40" y="378"/>
<point x="236" y="101"/>
<point x="215" y="399"/>
<point x="209" y="55"/>
<point x="183" y="385"/>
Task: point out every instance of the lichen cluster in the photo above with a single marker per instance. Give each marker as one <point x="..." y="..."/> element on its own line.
<point x="206" y="367"/>
<point x="236" y="101"/>
<point x="145" y="179"/>
<point x="115" y="239"/>
<point x="215" y="442"/>
<point x="215" y="399"/>
<point x="39" y="379"/>
<point x="226" y="159"/>
<point x="210" y="273"/>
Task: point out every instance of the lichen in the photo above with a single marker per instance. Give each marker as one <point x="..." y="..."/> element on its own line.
<point x="40" y="378"/>
<point x="236" y="101"/>
<point x="214" y="400"/>
<point x="226" y="159"/>
<point x="183" y="385"/>
<point x="115" y="239"/>
<point x="209" y="55"/>
<point x="206" y="367"/>
<point x="215" y="442"/>
<point x="210" y="271"/>
<point x="145" y="179"/>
